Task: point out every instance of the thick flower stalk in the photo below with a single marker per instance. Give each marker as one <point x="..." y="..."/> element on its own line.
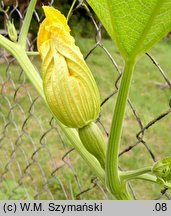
<point x="69" y="86"/>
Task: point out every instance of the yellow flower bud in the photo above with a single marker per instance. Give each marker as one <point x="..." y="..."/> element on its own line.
<point x="12" y="33"/>
<point x="69" y="86"/>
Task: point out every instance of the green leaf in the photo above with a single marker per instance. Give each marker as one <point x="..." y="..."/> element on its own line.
<point x="135" y="25"/>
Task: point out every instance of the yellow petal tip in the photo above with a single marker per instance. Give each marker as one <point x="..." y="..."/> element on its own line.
<point x="54" y="15"/>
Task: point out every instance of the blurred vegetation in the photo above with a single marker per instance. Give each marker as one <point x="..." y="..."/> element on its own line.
<point x="80" y="22"/>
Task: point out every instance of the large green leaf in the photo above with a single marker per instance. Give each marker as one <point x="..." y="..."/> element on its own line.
<point x="135" y="25"/>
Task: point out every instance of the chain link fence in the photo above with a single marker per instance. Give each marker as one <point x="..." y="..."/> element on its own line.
<point x="35" y="161"/>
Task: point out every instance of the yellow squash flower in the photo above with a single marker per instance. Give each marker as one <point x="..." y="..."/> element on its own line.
<point x="69" y="86"/>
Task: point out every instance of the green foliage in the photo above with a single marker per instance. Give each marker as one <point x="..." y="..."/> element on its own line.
<point x="134" y="25"/>
<point x="162" y="169"/>
<point x="10" y="187"/>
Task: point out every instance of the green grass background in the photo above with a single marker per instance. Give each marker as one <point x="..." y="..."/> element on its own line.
<point x="147" y="97"/>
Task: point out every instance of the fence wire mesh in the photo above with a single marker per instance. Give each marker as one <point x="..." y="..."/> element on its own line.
<point x="36" y="162"/>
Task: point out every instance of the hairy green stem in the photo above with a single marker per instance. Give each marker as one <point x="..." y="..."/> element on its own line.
<point x="19" y="53"/>
<point x="116" y="186"/>
<point x="26" y="24"/>
<point x="128" y="175"/>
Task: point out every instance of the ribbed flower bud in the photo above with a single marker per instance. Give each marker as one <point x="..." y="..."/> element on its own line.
<point x="12" y="33"/>
<point x="69" y="86"/>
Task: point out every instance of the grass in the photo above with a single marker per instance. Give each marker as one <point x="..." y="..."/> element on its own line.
<point x="17" y="154"/>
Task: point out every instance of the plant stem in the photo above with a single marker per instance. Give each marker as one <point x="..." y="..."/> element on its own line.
<point x="30" y="53"/>
<point x="128" y="175"/>
<point x="19" y="53"/>
<point x="26" y="24"/>
<point x="70" y="10"/>
<point x="151" y="178"/>
<point x="112" y="173"/>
